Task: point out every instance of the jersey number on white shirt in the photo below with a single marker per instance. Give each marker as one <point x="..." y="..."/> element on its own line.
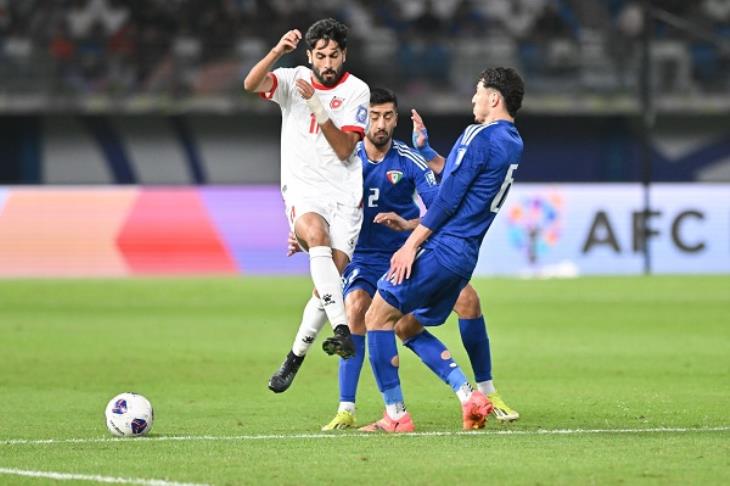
<point x="313" y="125"/>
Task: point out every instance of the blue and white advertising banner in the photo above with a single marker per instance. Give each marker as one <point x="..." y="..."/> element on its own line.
<point x="577" y="229"/>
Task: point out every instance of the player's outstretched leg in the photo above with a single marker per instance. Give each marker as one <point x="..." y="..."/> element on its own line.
<point x="384" y="362"/>
<point x="476" y="342"/>
<point x="313" y="319"/>
<point x="357" y="301"/>
<point x="328" y="283"/>
<point x="475" y="406"/>
<point x="349" y="376"/>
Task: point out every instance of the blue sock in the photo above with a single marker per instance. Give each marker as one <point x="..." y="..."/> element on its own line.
<point x="476" y="342"/>
<point x="435" y="355"/>
<point x="382" y="350"/>
<point x="350" y="370"/>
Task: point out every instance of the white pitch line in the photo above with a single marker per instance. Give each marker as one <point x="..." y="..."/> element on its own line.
<point x="213" y="438"/>
<point x="91" y="477"/>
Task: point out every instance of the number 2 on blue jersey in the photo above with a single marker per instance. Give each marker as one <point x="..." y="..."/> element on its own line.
<point x="373" y="197"/>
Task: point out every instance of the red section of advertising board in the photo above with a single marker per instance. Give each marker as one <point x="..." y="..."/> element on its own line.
<point x="169" y="231"/>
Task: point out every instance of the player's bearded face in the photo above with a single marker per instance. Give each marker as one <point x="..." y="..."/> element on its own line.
<point x="383" y="120"/>
<point x="327" y="62"/>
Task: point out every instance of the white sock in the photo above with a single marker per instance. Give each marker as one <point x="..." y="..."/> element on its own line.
<point x="313" y="320"/>
<point x="347" y="407"/>
<point x="328" y="283"/>
<point x="486" y="387"/>
<point x="396" y="410"/>
<point x="464" y="393"/>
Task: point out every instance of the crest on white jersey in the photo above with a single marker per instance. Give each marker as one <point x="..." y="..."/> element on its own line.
<point x="336" y="102"/>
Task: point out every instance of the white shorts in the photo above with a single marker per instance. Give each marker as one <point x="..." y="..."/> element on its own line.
<point x="344" y="221"/>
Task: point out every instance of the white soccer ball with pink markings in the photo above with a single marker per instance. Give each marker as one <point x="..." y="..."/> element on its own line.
<point x="129" y="415"/>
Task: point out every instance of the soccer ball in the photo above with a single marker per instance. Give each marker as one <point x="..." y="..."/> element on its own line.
<point x="129" y="415"/>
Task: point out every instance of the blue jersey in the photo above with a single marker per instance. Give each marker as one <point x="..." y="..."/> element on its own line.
<point x="476" y="178"/>
<point x="389" y="186"/>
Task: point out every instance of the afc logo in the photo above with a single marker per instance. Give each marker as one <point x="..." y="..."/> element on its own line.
<point x="362" y="114"/>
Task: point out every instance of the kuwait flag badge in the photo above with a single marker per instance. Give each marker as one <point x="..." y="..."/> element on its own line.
<point x="394" y="176"/>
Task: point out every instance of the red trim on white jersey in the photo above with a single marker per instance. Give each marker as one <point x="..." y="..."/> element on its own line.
<point x="354" y="129"/>
<point x="267" y="95"/>
<point x="322" y="87"/>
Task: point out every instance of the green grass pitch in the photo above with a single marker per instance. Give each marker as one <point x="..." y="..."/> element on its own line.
<point x="618" y="380"/>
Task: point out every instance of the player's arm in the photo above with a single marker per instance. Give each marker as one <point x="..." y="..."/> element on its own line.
<point x="420" y="142"/>
<point x="396" y="222"/>
<point x="258" y="79"/>
<point x="446" y="202"/>
<point x="402" y="260"/>
<point x="453" y="189"/>
<point x="343" y="143"/>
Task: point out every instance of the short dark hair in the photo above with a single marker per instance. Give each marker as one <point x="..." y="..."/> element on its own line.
<point x="378" y="96"/>
<point x="326" y="29"/>
<point x="508" y="82"/>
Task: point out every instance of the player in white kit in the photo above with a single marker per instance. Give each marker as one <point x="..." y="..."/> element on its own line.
<point x="324" y="114"/>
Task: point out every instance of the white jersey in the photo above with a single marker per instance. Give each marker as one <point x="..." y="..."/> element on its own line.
<point x="309" y="166"/>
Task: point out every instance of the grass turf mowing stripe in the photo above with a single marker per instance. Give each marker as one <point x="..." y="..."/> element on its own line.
<point x="339" y="435"/>
<point x="60" y="476"/>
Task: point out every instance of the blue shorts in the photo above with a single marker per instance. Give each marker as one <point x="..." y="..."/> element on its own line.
<point x="430" y="293"/>
<point x="363" y="272"/>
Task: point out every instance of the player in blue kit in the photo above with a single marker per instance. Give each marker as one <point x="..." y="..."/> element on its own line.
<point x="430" y="270"/>
<point x="391" y="173"/>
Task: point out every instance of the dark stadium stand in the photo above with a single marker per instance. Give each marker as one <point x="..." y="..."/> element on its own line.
<point x="102" y="55"/>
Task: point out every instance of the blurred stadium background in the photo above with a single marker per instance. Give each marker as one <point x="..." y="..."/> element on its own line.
<point x="129" y="148"/>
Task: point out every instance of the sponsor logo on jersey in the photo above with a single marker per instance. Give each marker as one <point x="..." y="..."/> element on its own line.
<point x="336" y="102"/>
<point x="362" y="114"/>
<point x="430" y="178"/>
<point x="394" y="176"/>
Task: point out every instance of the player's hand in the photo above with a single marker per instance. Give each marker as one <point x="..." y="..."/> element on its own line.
<point x="288" y="42"/>
<point x="420" y="134"/>
<point x="305" y="89"/>
<point x="401" y="264"/>
<point x="391" y="220"/>
<point x="292" y="245"/>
